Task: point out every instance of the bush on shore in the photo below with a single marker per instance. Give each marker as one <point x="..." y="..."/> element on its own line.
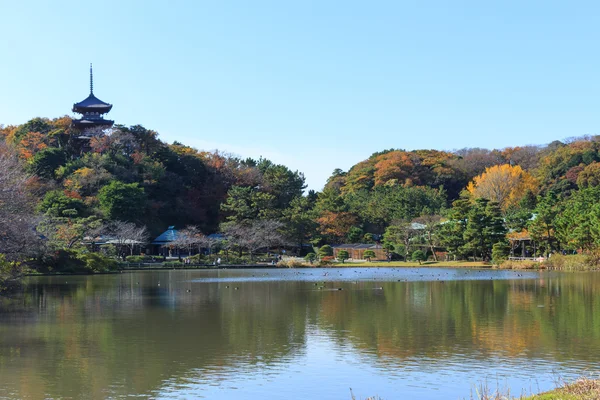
<point x="76" y="262"/>
<point x="577" y="262"/>
<point x="9" y="272"/>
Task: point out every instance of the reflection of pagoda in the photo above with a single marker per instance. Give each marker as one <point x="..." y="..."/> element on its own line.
<point x="92" y="110"/>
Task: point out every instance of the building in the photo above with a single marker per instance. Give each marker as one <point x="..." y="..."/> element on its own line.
<point x="356" y="251"/>
<point x="92" y="110"/>
<point x="161" y="245"/>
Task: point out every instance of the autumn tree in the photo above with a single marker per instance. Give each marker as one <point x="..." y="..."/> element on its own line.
<point x="18" y="238"/>
<point x="503" y="184"/>
<point x="336" y="225"/>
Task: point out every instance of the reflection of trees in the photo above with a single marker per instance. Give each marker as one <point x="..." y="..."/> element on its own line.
<point x="85" y="337"/>
<point x="127" y="333"/>
<point x="436" y="320"/>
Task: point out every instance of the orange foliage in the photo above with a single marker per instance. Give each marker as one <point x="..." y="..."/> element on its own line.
<point x="503" y="184"/>
<point x="336" y="224"/>
<point x="137" y="157"/>
<point x="394" y="165"/>
<point x="31" y="144"/>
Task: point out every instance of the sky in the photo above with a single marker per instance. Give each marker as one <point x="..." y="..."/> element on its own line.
<point x="315" y="85"/>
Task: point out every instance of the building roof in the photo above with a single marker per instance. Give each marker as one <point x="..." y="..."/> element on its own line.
<point x="91" y="122"/>
<point x="91" y="103"/>
<point x="357" y="246"/>
<point x="167" y="236"/>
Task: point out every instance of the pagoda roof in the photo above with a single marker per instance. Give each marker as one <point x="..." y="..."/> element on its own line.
<point x="91" y="122"/>
<point x="91" y="104"/>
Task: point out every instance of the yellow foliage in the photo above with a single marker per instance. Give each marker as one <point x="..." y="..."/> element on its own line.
<point x="504" y="184"/>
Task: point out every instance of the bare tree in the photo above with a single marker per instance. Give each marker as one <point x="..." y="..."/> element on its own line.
<point x="127" y="234"/>
<point x="17" y="219"/>
<point x="255" y="235"/>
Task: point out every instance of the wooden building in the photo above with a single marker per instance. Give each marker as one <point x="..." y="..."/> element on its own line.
<point x="356" y="251"/>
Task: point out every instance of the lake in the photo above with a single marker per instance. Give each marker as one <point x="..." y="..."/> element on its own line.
<point x="414" y="333"/>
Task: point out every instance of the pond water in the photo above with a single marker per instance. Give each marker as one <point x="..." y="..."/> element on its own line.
<point x="415" y="333"/>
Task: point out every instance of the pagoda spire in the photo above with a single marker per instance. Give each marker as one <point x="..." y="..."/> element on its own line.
<point x="92" y="110"/>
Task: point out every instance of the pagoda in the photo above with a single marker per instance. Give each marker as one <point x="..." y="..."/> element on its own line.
<point x="92" y="109"/>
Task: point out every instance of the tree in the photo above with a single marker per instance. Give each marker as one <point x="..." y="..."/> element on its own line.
<point x="18" y="238"/>
<point x="47" y="161"/>
<point x="55" y="203"/>
<point x="431" y="224"/>
<point x="336" y="225"/>
<point x="484" y="228"/>
<point x="325" y="251"/>
<point x="343" y="255"/>
<point x="246" y="204"/>
<point x="542" y="227"/>
<point x="122" y="201"/>
<point x="400" y="233"/>
<point x="70" y="232"/>
<point x="451" y="233"/>
<point x="127" y="234"/>
<point x="355" y="234"/>
<point x="419" y="256"/>
<point x="310" y="257"/>
<point x="369" y="254"/>
<point x="504" y="184"/>
<point x="589" y="176"/>
<point x="284" y="184"/>
<point x="577" y="224"/>
<point x="255" y="235"/>
<point x="500" y="252"/>
<point x="299" y="219"/>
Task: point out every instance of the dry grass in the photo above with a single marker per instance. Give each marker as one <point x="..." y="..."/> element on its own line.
<point x="578" y="262"/>
<point x="584" y="388"/>
<point x="521" y="265"/>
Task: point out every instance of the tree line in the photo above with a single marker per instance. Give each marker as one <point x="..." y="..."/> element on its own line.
<point x="60" y="192"/>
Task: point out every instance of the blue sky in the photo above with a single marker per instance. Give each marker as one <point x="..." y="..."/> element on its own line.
<point x="314" y="85"/>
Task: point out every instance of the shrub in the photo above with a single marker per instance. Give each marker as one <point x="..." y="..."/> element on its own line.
<point x="291" y="263"/>
<point x="577" y="262"/>
<point x="172" y="264"/>
<point x="500" y="252"/>
<point x="369" y="254"/>
<point x="419" y="256"/>
<point x="325" y="261"/>
<point x="508" y="264"/>
<point x="9" y="270"/>
<point x="96" y="262"/>
<point x="325" y="251"/>
<point x="343" y="255"/>
<point x="310" y="257"/>
<point x="135" y="259"/>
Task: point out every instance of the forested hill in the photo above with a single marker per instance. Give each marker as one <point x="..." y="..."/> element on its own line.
<point x="131" y="175"/>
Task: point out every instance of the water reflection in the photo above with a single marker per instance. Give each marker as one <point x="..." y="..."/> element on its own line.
<point x="427" y="333"/>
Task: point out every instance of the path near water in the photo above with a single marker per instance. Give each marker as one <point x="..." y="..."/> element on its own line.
<point x="418" y="333"/>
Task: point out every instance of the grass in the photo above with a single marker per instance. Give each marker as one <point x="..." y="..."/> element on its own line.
<point x="583" y="388"/>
